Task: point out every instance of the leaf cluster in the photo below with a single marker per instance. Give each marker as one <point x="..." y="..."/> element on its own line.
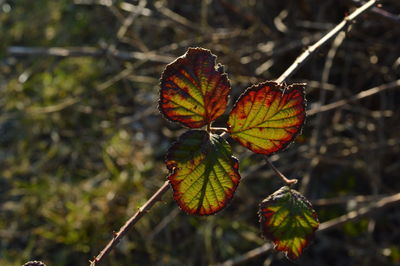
<point x="203" y="172"/>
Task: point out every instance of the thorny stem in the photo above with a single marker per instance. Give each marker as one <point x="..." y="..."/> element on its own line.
<point x="128" y="225"/>
<point x="310" y="51"/>
<point x="316" y="46"/>
<point x="287" y="181"/>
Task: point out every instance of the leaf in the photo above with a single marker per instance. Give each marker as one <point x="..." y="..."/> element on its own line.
<point x="203" y="173"/>
<point x="268" y="116"/>
<point x="287" y="218"/>
<point x="194" y="91"/>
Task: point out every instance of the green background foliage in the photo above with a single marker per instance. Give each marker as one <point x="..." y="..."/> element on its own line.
<point x="82" y="144"/>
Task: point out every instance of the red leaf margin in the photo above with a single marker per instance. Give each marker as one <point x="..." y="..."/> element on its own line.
<point x="275" y="87"/>
<point x="265" y="215"/>
<point x="187" y="59"/>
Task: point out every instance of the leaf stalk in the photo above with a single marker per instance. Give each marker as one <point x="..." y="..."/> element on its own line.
<point x="286" y="180"/>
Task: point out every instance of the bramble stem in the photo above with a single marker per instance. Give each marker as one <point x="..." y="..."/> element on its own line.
<point x="128" y="225"/>
<point x="332" y="33"/>
<point x="287" y="181"/>
<point x="310" y="51"/>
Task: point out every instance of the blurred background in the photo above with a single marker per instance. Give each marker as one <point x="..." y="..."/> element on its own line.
<point x="82" y="143"/>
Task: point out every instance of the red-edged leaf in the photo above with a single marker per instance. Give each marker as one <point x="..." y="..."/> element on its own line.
<point x="287" y="218"/>
<point x="194" y="91"/>
<point x="203" y="173"/>
<point x="268" y="116"/>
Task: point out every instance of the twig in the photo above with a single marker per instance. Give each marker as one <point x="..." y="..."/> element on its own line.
<point x="125" y="228"/>
<point x="386" y="14"/>
<point x="106" y="3"/>
<point x="175" y="16"/>
<point x="131" y="17"/>
<point x="248" y="255"/>
<point x="357" y="214"/>
<point x="316" y="133"/>
<point x="331" y="224"/>
<point x="164" y="223"/>
<point x="346" y="199"/>
<point x="135" y="9"/>
<point x="310" y="51"/>
<point x="381" y="12"/>
<point x="87" y="51"/>
<point x="282" y="176"/>
<point x="358" y="96"/>
<point x="315" y="47"/>
<point x="53" y="108"/>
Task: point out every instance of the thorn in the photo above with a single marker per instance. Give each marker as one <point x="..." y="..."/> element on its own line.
<point x="115" y="234"/>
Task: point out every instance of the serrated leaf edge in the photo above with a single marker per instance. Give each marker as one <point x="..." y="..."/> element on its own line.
<point x="279" y="87"/>
<point x="227" y="201"/>
<point x="269" y="236"/>
<point x="217" y="66"/>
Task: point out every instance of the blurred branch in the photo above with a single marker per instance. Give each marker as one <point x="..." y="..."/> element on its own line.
<point x="378" y="10"/>
<point x="136" y="11"/>
<point x="175" y="17"/>
<point x="164" y="223"/>
<point x="248" y="255"/>
<point x="319" y="122"/>
<point x="315" y="47"/>
<point x="130" y="223"/>
<point x="331" y="224"/>
<point x="238" y="12"/>
<point x="94" y="2"/>
<point x="386" y="14"/>
<point x="358" y="96"/>
<point x="53" y="108"/>
<point x="357" y="214"/>
<point x="87" y="51"/>
<point x="346" y="199"/>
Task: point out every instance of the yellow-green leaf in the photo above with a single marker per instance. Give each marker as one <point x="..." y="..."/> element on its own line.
<point x="268" y="116"/>
<point x="288" y="219"/>
<point x="203" y="173"/>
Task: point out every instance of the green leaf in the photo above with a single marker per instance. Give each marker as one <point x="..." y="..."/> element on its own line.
<point x="268" y="116"/>
<point x="194" y="90"/>
<point x="287" y="218"/>
<point x="203" y="173"/>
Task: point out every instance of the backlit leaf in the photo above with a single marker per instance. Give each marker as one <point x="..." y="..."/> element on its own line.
<point x="268" y="116"/>
<point x="203" y="173"/>
<point x="194" y="90"/>
<point x="287" y="218"/>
